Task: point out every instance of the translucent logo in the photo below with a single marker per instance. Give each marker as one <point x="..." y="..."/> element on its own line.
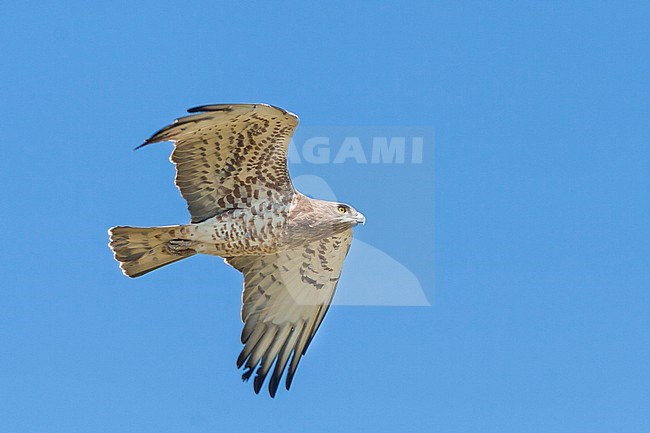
<point x="360" y="145"/>
<point x="370" y="276"/>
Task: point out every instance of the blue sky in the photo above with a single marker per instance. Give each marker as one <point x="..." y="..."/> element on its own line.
<point x="530" y="238"/>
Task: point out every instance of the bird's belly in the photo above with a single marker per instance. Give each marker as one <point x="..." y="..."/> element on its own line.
<point x="241" y="235"/>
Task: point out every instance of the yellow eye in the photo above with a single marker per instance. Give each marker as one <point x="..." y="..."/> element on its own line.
<point x="342" y="209"/>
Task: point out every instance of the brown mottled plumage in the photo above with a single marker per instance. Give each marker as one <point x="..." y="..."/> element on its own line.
<point x="231" y="168"/>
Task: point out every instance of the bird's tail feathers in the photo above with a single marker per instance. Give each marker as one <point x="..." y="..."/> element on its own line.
<point x="140" y="250"/>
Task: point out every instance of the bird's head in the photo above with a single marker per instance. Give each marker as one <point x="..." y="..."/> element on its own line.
<point x="314" y="219"/>
<point x="346" y="214"/>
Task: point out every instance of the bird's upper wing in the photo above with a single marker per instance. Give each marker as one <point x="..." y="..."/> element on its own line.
<point x="286" y="296"/>
<point x="230" y="156"/>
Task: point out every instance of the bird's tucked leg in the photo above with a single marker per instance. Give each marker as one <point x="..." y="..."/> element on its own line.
<point x="180" y="247"/>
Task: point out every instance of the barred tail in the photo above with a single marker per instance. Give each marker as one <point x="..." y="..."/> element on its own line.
<point x="143" y="249"/>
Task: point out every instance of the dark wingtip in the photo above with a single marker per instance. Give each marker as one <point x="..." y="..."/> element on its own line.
<point x="146" y="142"/>
<point x="260" y="378"/>
<point x="273" y="384"/>
<point x="211" y="107"/>
<point x="241" y="359"/>
<point x="289" y="379"/>
<point x="230" y="107"/>
<point x="247" y="374"/>
<point x="198" y="109"/>
<point x="257" y="384"/>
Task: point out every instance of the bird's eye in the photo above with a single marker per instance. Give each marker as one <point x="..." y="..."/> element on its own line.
<point x="342" y="209"/>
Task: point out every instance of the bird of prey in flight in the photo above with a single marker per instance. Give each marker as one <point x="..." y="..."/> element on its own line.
<point x="231" y="168"/>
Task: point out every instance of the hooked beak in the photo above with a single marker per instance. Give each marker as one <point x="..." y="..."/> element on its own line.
<point x="360" y="218"/>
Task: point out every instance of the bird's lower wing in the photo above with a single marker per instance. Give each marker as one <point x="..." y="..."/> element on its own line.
<point x="286" y="296"/>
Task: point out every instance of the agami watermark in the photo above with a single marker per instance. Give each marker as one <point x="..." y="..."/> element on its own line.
<point x="372" y="276"/>
<point x="360" y="145"/>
